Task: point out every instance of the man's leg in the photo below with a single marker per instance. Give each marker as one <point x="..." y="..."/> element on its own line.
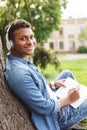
<point x="68" y="116"/>
<point x="64" y="74"/>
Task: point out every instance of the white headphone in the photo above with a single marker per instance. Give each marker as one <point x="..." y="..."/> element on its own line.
<point x="10" y="43"/>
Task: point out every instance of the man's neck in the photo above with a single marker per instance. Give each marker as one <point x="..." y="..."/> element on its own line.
<point x="25" y="57"/>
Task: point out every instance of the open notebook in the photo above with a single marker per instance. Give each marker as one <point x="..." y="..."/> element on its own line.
<point x="70" y="83"/>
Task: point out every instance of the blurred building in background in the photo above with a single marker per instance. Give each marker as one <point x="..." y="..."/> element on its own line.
<point x="67" y="38"/>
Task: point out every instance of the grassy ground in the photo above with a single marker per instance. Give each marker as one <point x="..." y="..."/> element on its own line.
<point x="79" y="69"/>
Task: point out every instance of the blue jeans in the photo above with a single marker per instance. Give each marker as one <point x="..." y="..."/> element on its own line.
<point x="68" y="116"/>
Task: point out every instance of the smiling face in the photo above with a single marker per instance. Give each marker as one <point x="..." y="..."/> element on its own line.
<point x="24" y="43"/>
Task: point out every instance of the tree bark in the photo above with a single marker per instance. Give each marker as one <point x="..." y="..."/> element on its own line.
<point x="13" y="114"/>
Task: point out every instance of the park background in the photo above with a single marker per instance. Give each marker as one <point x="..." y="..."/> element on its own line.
<point x="45" y="17"/>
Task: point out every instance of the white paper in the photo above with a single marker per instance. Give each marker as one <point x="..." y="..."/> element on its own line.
<point x="70" y="83"/>
<point x="51" y="93"/>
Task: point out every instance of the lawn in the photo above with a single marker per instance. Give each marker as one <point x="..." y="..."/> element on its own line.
<point x="77" y="67"/>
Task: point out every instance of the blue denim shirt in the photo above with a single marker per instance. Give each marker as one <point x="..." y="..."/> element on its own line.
<point x="30" y="86"/>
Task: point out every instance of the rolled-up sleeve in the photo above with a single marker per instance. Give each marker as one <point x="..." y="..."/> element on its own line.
<point x="57" y="105"/>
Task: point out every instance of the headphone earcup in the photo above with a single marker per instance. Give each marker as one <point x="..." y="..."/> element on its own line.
<point x="11" y="43"/>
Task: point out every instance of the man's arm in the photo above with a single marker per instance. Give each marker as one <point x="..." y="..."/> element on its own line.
<point x="57" y="84"/>
<point x="22" y="84"/>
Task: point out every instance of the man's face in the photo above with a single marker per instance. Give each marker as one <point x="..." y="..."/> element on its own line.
<point x="24" y="42"/>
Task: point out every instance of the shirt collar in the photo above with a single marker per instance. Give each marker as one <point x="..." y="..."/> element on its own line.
<point x="12" y="57"/>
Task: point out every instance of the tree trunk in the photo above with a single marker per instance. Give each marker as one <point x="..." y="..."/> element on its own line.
<point x="13" y="115"/>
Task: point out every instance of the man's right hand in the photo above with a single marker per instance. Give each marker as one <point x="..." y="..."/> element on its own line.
<point x="72" y="96"/>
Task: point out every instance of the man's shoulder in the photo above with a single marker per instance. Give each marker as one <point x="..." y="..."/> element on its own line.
<point x="16" y="64"/>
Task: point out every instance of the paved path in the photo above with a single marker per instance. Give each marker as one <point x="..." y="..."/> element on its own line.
<point x="73" y="57"/>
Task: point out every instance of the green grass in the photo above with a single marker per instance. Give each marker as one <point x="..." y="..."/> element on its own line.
<point x="77" y="67"/>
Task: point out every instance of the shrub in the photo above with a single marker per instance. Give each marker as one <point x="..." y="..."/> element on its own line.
<point x="42" y="57"/>
<point x="82" y="49"/>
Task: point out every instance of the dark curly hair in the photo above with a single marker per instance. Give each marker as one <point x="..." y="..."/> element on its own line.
<point x="16" y="25"/>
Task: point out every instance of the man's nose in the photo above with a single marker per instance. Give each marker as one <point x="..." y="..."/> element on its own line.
<point x="29" y="41"/>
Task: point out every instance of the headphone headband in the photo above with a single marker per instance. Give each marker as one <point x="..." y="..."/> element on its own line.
<point x="8" y="28"/>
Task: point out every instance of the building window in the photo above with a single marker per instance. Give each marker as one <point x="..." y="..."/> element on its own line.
<point x="51" y="45"/>
<point x="71" y="30"/>
<point x="61" y="31"/>
<point x="81" y="29"/>
<point x="61" y="45"/>
<point x="71" y="44"/>
<point x="81" y="43"/>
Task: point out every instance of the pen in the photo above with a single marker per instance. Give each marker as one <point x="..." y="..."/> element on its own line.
<point x="78" y="86"/>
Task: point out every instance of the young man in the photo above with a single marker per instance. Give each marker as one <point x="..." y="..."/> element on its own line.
<point x="24" y="79"/>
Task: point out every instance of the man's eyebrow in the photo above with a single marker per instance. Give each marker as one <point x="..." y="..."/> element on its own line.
<point x="27" y="35"/>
